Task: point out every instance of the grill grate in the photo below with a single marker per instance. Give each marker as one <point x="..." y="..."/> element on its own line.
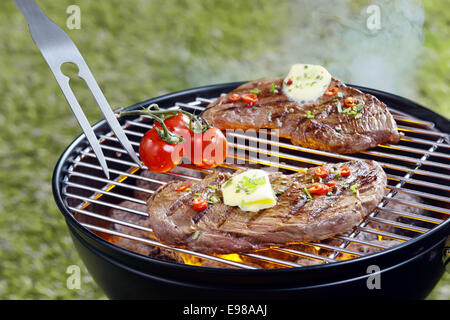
<point x="417" y="198"/>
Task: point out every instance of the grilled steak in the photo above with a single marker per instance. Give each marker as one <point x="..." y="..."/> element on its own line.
<point x="324" y="124"/>
<point x="295" y="218"/>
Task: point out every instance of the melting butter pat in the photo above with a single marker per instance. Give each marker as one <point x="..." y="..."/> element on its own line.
<point x="306" y="82"/>
<point x="250" y="190"/>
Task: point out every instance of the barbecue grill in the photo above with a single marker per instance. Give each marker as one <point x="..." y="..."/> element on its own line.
<point x="410" y="225"/>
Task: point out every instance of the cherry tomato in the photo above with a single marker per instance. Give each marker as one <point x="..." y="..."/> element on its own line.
<point x="331" y="91"/>
<point x="178" y="124"/>
<point x="183" y="187"/>
<point x="250" y="98"/>
<point x="350" y="102"/>
<point x="157" y="154"/>
<point x="234" y="98"/>
<point x="199" y="203"/>
<point x="321" y="172"/>
<point x="318" y="188"/>
<point x="344" y="171"/>
<point x="208" y="149"/>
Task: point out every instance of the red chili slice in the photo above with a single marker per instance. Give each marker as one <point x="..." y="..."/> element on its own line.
<point x="331" y="91"/>
<point x="199" y="204"/>
<point x="321" y="172"/>
<point x="234" y="98"/>
<point x="289" y="82"/>
<point x="184" y="187"/>
<point x="318" y="188"/>
<point x="331" y="183"/>
<point x="250" y="98"/>
<point x="344" y="171"/>
<point x="350" y="102"/>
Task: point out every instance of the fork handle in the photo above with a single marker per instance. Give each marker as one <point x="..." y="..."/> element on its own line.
<point x="31" y="11"/>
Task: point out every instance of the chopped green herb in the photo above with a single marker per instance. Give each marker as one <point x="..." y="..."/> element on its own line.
<point x="335" y="100"/>
<point x="359" y="115"/>
<point x="312" y="180"/>
<point x="346" y="110"/>
<point x="249" y="185"/>
<point x="255" y="91"/>
<point x="213" y="200"/>
<point x="354" y="188"/>
<point x="320" y="180"/>
<point x="284" y="182"/>
<point x="345" y="184"/>
<point x="188" y="190"/>
<point x="338" y="128"/>
<point x="196" y="234"/>
<point x="339" y="94"/>
<point x="309" y="115"/>
<point x="272" y="88"/>
<point x="359" y="107"/>
<point x="212" y="187"/>
<point x="197" y="194"/>
<point x="291" y="110"/>
<point x="307" y="193"/>
<point x="254" y="107"/>
<point x="280" y="192"/>
<point x="306" y="67"/>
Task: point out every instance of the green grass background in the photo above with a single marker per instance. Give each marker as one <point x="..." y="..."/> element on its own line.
<point x="140" y="49"/>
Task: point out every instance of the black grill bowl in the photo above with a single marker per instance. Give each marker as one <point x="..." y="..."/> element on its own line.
<point x="407" y="271"/>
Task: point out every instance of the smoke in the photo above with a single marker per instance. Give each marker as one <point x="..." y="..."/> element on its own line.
<point x="378" y="45"/>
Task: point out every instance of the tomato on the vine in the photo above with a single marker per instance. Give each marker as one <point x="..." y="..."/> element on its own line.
<point x="157" y="154"/>
<point x="208" y="149"/>
<point x="178" y="133"/>
<point x="178" y="123"/>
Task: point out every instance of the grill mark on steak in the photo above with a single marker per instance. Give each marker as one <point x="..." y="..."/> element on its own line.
<point x="224" y="229"/>
<point x="376" y="125"/>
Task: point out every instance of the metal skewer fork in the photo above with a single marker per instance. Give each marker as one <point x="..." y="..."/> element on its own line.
<point x="57" y="48"/>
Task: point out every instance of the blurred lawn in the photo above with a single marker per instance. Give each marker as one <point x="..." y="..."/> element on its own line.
<point x="137" y="50"/>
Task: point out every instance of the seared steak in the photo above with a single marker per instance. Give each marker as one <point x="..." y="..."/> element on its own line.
<point x="142" y="248"/>
<point x="295" y="218"/>
<point x="324" y="124"/>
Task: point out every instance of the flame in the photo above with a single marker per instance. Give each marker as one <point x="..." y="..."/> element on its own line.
<point x="190" y="259"/>
<point x="232" y="257"/>
<point x="196" y="261"/>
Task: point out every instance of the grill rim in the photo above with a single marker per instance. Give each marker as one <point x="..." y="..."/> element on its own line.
<point x="408" y="247"/>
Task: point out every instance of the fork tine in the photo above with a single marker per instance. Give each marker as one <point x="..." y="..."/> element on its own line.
<point x="63" y="82"/>
<point x="109" y="115"/>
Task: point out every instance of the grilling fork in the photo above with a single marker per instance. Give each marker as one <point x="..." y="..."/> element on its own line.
<point x="57" y="48"/>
